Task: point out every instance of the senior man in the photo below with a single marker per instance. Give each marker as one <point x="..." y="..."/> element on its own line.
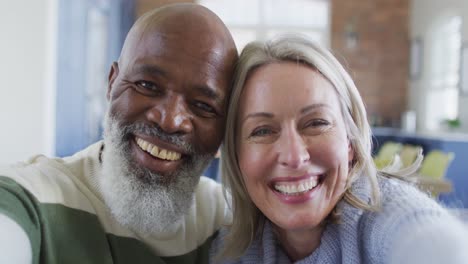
<point x="136" y="196"/>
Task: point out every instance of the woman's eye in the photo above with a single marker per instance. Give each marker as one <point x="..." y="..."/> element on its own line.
<point x="317" y="123"/>
<point x="260" y="132"/>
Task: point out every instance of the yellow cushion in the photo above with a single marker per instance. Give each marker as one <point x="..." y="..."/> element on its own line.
<point x="435" y="164"/>
<point x="386" y="154"/>
<point x="408" y="154"/>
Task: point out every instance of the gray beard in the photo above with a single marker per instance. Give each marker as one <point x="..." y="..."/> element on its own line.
<point x="140" y="199"/>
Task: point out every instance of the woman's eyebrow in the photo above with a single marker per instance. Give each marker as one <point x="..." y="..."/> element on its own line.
<point x="257" y="114"/>
<point x="313" y="107"/>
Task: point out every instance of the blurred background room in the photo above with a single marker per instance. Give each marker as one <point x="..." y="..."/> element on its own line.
<point x="409" y="59"/>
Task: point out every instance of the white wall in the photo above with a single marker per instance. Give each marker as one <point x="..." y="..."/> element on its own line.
<point x="463" y="103"/>
<point x="26" y="78"/>
<point x="423" y="13"/>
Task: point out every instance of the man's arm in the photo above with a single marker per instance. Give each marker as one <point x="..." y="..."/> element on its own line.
<point x="20" y="231"/>
<point x="14" y="243"/>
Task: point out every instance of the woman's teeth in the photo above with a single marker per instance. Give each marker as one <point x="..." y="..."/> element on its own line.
<point x="156" y="151"/>
<point x="297" y="187"/>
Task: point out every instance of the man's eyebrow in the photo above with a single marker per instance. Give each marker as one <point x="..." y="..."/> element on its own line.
<point x="149" y="69"/>
<point x="208" y="92"/>
<point x="313" y="107"/>
<point x="257" y="114"/>
<point x="155" y="70"/>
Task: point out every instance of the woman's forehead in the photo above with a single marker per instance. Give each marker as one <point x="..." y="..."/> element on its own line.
<point x="289" y="83"/>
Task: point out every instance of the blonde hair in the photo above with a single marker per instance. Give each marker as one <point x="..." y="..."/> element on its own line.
<point x="248" y="219"/>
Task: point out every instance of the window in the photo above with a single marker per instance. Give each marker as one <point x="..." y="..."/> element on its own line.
<point x="444" y="70"/>
<point x="90" y="36"/>
<point x="250" y="20"/>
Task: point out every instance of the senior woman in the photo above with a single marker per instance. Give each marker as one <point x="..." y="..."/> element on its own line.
<point x="297" y="163"/>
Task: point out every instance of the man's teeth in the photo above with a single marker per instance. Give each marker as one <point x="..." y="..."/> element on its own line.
<point x="157" y="152"/>
<point x="296" y="188"/>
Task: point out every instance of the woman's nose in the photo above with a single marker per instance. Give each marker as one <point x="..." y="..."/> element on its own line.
<point x="292" y="149"/>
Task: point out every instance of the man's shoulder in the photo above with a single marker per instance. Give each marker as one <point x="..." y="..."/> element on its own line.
<point x="41" y="164"/>
<point x="209" y="212"/>
<point x="210" y="201"/>
<point x="34" y="174"/>
<point x="52" y="180"/>
<point x="208" y="187"/>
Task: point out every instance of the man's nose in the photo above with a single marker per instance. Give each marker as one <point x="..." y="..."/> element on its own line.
<point x="171" y="113"/>
<point x="292" y="149"/>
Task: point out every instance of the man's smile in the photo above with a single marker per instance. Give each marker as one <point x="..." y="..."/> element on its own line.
<point x="158" y="152"/>
<point x="159" y="156"/>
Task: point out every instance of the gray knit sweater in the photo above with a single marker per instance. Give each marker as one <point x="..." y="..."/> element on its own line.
<point x="403" y="231"/>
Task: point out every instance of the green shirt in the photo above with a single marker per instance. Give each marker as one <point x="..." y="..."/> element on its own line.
<point x="57" y="203"/>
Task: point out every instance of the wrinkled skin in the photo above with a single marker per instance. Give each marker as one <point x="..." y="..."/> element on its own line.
<point x="169" y="89"/>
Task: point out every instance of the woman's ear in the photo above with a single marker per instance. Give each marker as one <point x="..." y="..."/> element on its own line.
<point x="350" y="152"/>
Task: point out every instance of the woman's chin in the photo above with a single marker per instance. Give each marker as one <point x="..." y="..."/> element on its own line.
<point x="298" y="222"/>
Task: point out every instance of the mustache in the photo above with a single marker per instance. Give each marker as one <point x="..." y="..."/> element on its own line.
<point x="154" y="130"/>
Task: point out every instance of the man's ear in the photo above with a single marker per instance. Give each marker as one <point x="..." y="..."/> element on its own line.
<point x="113" y="73"/>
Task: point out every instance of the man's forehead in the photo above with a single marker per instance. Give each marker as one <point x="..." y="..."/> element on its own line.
<point x="204" y="52"/>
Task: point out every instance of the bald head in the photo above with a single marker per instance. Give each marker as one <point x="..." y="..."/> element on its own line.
<point x="182" y="16"/>
<point x="191" y="23"/>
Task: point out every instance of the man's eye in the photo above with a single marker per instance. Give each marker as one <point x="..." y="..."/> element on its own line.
<point x="205" y="107"/>
<point x="147" y="88"/>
